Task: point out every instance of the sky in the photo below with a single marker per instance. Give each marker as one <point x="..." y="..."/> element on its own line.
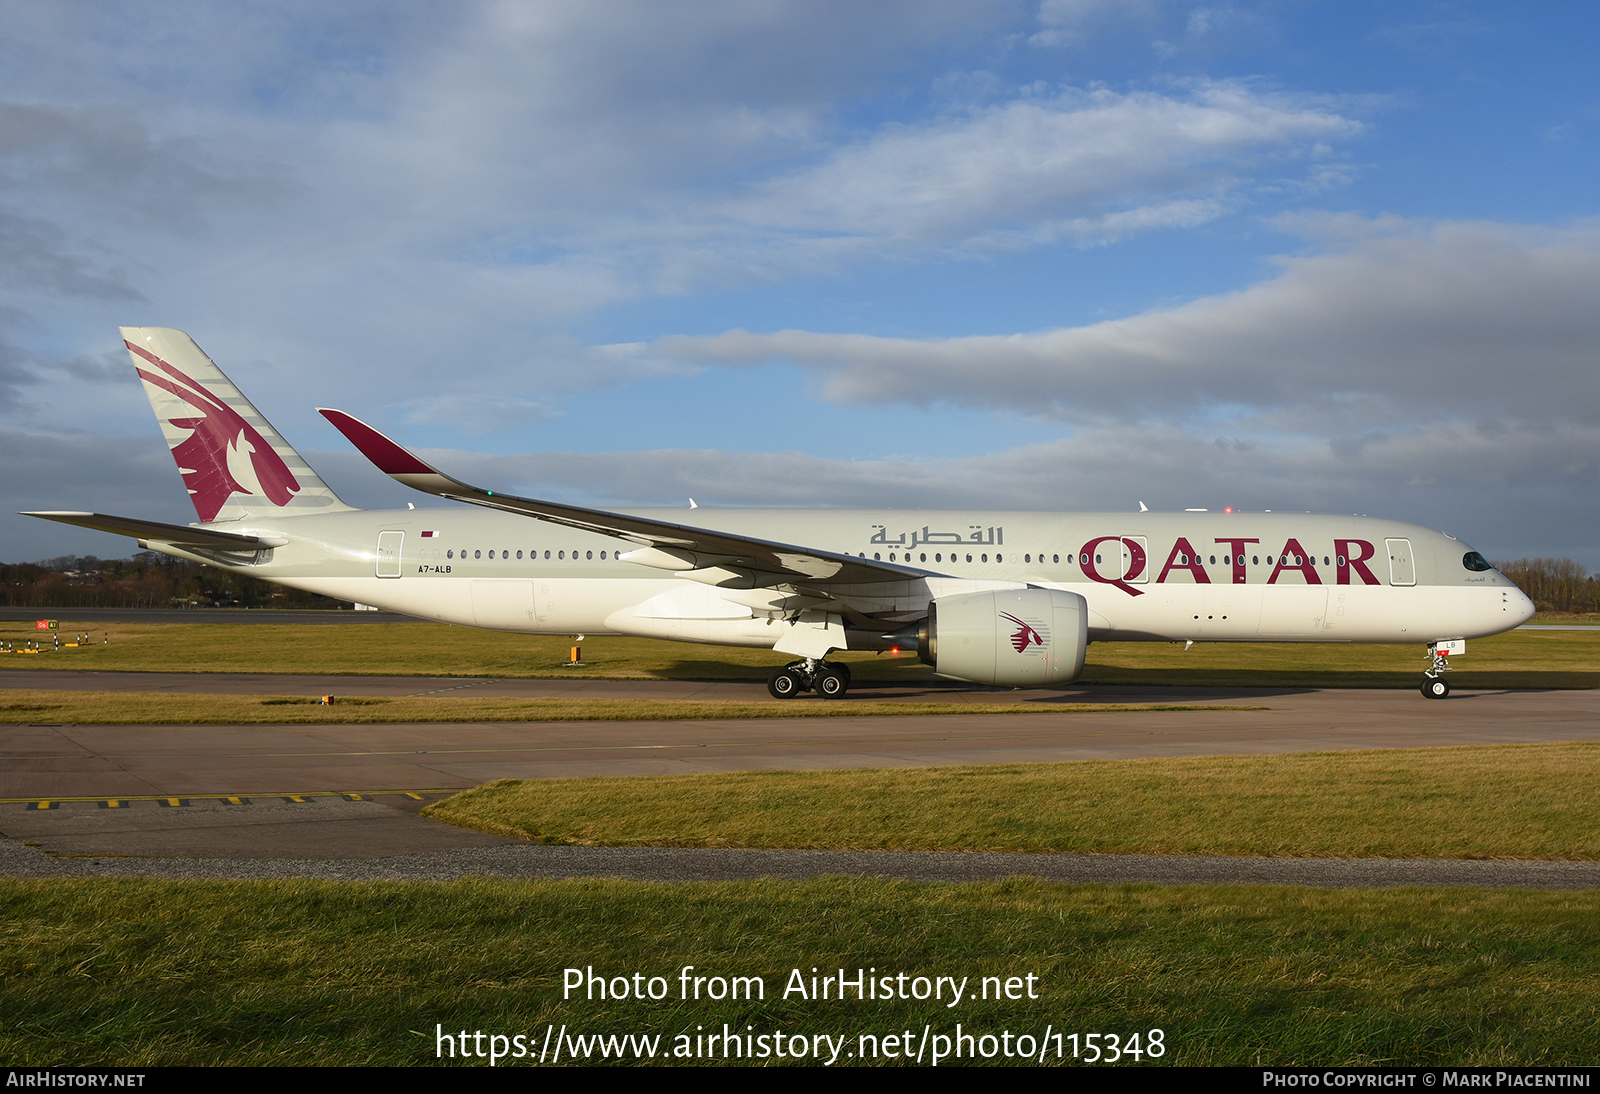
<point x="1069" y="255"/>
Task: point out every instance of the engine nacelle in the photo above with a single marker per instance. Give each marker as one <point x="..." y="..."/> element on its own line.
<point x="1013" y="637"/>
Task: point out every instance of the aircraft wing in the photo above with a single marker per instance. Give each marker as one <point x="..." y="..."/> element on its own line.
<point x="179" y="535"/>
<point x="677" y="546"/>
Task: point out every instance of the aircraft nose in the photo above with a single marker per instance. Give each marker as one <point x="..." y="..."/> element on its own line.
<point x="1522" y="608"/>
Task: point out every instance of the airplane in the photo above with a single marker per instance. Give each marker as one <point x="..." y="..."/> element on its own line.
<point x="999" y="598"/>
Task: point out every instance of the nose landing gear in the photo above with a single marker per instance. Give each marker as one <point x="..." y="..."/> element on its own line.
<point x="1434" y="685"/>
<point x="830" y="681"/>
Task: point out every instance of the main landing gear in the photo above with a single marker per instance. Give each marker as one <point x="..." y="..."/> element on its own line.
<point x="1434" y="685"/>
<point x="830" y="681"/>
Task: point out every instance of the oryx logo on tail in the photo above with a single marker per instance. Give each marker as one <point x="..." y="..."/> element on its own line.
<point x="223" y="454"/>
<point x="1025" y="635"/>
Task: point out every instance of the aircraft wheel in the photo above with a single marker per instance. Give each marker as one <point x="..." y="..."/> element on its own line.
<point x="832" y="684"/>
<point x="783" y="684"/>
<point x="1435" y="687"/>
<point x="843" y="670"/>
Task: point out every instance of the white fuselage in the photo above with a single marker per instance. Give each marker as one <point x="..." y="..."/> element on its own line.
<point x="1207" y="577"/>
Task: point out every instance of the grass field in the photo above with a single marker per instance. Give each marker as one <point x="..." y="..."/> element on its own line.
<point x="25" y="706"/>
<point x="1505" y="801"/>
<point x="1520" y="659"/>
<point x="137" y="973"/>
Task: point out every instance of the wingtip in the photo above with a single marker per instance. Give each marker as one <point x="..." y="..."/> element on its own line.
<point x="385" y="454"/>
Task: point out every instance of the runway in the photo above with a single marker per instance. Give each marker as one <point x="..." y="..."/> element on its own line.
<point x="161" y="793"/>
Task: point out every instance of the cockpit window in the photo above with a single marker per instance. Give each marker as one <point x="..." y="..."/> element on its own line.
<point x="1472" y="560"/>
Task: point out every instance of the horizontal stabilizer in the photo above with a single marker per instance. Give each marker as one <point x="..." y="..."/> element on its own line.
<point x="179" y="535"/>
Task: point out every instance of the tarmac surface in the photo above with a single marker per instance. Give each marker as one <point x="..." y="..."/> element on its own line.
<point x="340" y="801"/>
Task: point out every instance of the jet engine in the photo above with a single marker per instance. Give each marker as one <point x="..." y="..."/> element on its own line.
<point x="1012" y="637"/>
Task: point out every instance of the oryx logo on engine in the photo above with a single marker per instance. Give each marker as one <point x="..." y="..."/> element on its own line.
<point x="1025" y="635"/>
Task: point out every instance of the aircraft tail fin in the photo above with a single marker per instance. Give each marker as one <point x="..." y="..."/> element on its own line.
<point x="235" y="465"/>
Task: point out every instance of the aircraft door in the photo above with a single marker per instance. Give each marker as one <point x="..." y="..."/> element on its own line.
<point x="1135" y="560"/>
<point x="1402" y="567"/>
<point x="390" y="546"/>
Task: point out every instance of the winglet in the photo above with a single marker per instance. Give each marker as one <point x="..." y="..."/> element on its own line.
<point x="387" y="456"/>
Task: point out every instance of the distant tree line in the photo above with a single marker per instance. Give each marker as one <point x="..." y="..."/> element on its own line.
<point x="1554" y="584"/>
<point x="147" y="580"/>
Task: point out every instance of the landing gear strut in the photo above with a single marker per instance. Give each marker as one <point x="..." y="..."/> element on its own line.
<point x="1434" y="685"/>
<point x="813" y="674"/>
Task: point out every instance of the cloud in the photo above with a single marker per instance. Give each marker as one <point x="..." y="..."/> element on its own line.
<point x="16" y="369"/>
<point x="41" y="260"/>
<point x="1441" y="372"/>
<point x="1408" y="322"/>
<point x="1497" y="489"/>
<point x="1082" y="165"/>
<point x="321" y="193"/>
<point x="69" y="159"/>
<point x="1066" y="22"/>
<point x="475" y="415"/>
<point x="430" y="211"/>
